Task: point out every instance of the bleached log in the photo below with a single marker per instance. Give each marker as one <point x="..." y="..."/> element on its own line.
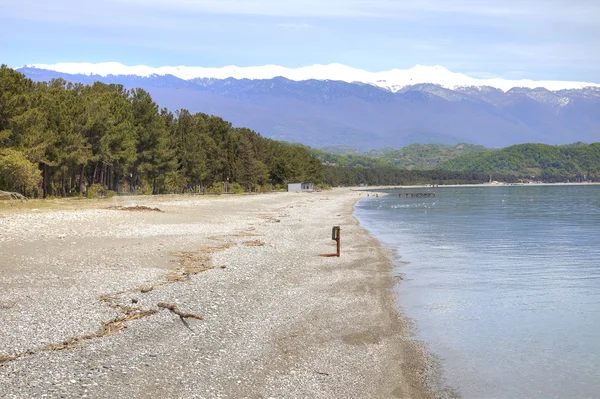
<point x="12" y="196"/>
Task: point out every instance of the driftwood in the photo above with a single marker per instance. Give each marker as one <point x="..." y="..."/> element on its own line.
<point x="175" y="309"/>
<point x="12" y="196"/>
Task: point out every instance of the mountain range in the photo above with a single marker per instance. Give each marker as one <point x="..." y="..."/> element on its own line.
<point x="337" y="105"/>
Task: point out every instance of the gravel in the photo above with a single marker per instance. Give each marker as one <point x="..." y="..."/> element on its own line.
<point x="279" y="320"/>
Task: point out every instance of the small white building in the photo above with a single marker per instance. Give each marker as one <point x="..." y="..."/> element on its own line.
<point x="302" y="186"/>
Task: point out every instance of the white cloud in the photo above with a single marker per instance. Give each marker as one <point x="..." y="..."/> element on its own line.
<point x="565" y="10"/>
<point x="291" y="25"/>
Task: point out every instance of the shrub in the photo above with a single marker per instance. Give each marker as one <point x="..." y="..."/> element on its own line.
<point x="237" y="188"/>
<point x="266" y="188"/>
<point x="96" y="191"/>
<point x="176" y="182"/>
<point x="17" y="173"/>
<point x="144" y="188"/>
<point x="217" y="188"/>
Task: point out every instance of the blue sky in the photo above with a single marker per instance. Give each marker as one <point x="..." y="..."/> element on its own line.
<point x="536" y="39"/>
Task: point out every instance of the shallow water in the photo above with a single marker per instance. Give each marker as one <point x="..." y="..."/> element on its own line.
<point x="503" y="283"/>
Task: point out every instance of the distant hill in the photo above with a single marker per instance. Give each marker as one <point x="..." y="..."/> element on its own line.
<point x="530" y="161"/>
<point x="330" y="112"/>
<point x="332" y="159"/>
<point x="428" y="156"/>
<point x="414" y="156"/>
<point x="573" y="162"/>
<point x="342" y="150"/>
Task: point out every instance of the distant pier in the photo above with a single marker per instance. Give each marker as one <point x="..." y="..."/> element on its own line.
<point x="416" y="195"/>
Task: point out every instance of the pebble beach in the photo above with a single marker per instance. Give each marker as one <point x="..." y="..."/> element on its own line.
<point x="81" y="283"/>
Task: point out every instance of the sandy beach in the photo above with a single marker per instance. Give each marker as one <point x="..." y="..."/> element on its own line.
<point x="81" y="283"/>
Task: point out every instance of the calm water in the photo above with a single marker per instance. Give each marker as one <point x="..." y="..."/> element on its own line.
<point x="503" y="283"/>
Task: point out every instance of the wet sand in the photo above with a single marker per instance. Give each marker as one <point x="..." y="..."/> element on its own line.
<point x="278" y="319"/>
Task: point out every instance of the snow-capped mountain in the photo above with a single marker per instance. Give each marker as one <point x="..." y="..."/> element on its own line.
<point x="393" y="80"/>
<point x="339" y="105"/>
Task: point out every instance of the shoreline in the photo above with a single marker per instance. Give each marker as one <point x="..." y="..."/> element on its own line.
<point x="278" y="319"/>
<point x="432" y="376"/>
<point x="395" y="187"/>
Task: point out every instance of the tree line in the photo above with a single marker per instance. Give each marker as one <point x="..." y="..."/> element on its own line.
<point x="59" y="139"/>
<point x="389" y="176"/>
<point x="348" y="160"/>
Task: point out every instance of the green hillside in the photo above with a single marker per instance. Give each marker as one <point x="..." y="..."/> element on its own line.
<point x="414" y="156"/>
<point x="341" y="150"/>
<point x="572" y="162"/>
<point x="428" y="156"/>
<point x="363" y="161"/>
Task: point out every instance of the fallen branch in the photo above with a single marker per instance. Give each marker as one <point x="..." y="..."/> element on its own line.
<point x="11" y="195"/>
<point x="175" y="309"/>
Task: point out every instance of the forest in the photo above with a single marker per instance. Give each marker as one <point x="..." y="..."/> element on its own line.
<point x="347" y="160"/>
<point x="414" y="156"/>
<point x="66" y="139"/>
<point x="390" y="176"/>
<point x="549" y="163"/>
<point x="461" y="163"/>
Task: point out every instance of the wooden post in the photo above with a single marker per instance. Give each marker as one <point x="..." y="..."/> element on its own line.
<point x="338" y="241"/>
<point x="335" y="235"/>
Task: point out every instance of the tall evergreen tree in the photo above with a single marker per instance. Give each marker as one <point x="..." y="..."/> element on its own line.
<point x="106" y="135"/>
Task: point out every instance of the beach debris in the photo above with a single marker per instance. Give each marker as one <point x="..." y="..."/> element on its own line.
<point x="110" y="298"/>
<point x="107" y="328"/>
<point x="137" y="208"/>
<point x="224" y="236"/>
<point x="9" y="358"/>
<point x="247" y="229"/>
<point x="12" y="196"/>
<point x="191" y="263"/>
<point x="118" y="323"/>
<point x="269" y="218"/>
<point x="146" y="288"/>
<point x="175" y="309"/>
<point x="212" y="250"/>
<point x="7" y="305"/>
<point x="182" y="274"/>
<point x="128" y="313"/>
<point x="254" y="243"/>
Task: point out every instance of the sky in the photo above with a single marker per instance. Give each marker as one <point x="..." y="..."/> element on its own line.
<point x="511" y="39"/>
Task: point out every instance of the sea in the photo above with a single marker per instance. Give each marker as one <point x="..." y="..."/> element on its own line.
<point x="502" y="283"/>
